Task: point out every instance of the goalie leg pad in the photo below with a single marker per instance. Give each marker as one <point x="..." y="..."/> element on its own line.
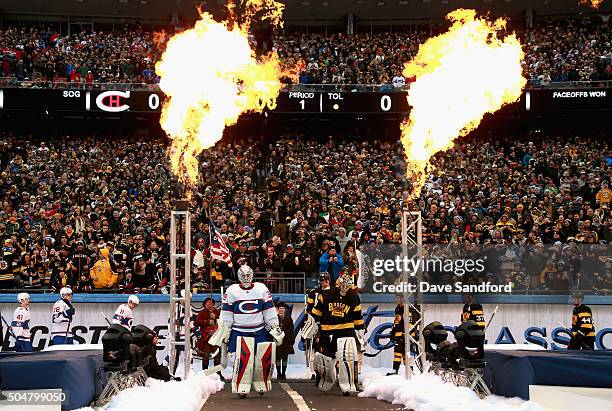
<point x="325" y="368"/>
<point x="243" y="365"/>
<point x="264" y="366"/>
<point x="348" y="364"/>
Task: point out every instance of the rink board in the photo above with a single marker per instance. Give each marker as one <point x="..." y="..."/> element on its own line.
<point x="513" y="323"/>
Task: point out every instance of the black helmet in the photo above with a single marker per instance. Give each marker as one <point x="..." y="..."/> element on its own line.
<point x="324" y="275"/>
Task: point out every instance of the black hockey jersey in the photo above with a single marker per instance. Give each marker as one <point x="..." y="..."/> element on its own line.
<point x="335" y="312"/>
<point x="582" y="321"/>
<point x="398" y="321"/>
<point x="311" y="299"/>
<point x="473" y="312"/>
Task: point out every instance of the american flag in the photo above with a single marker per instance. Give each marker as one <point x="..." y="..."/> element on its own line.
<point x="218" y="249"/>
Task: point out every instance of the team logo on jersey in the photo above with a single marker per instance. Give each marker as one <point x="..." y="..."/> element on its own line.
<point x="248" y="307"/>
<point x="338" y="309"/>
<point x="3" y="265"/>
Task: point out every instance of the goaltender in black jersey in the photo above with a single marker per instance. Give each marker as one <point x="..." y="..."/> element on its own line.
<point x="341" y="336"/>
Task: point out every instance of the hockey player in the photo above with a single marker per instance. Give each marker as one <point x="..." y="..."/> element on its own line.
<point x="311" y="344"/>
<point x="21" y="324"/>
<point x="248" y="324"/>
<point x="338" y="311"/>
<point x="472" y="311"/>
<point x="583" y="326"/>
<point x="123" y="316"/>
<point x="397" y="332"/>
<point x="61" y="318"/>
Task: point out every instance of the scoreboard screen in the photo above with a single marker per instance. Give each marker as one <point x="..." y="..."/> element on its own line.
<point x="342" y="102"/>
<point x="120" y="102"/>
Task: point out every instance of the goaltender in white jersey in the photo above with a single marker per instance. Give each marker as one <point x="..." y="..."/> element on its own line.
<point x="248" y="323"/>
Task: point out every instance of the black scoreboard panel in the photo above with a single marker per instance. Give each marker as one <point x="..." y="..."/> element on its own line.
<point x="342" y="102"/>
<point x="113" y="102"/>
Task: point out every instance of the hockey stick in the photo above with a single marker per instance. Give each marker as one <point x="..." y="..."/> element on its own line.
<point x="105" y="317"/>
<point x="491" y="319"/>
<point x="370" y="355"/>
<point x="9" y="328"/>
<point x="570" y="332"/>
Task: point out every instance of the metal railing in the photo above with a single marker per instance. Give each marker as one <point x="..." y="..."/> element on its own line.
<point x="282" y="282"/>
<point x="39" y="83"/>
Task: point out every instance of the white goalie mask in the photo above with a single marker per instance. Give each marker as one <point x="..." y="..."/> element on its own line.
<point x="245" y="275"/>
<point x="344" y="283"/>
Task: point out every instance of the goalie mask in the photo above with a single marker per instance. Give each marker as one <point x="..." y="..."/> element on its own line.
<point x="344" y="283"/>
<point x="245" y="275"/>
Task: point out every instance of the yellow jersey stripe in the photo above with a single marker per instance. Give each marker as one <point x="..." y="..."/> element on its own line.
<point x="327" y="327"/>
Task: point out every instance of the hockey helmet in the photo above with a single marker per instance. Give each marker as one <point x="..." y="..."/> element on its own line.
<point x="21" y="297"/>
<point x="344" y="283"/>
<point x="65" y="291"/>
<point x="245" y="275"/>
<point x="133" y="299"/>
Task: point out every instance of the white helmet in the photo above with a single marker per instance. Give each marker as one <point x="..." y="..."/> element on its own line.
<point x="245" y="275"/>
<point x="133" y="299"/>
<point x="22" y="296"/>
<point x="183" y="293"/>
<point x="65" y="291"/>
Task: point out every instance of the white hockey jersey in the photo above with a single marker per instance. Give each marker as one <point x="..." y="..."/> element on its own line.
<point x="248" y="309"/>
<point x="21" y="324"/>
<point x="61" y="318"/>
<point x="123" y="316"/>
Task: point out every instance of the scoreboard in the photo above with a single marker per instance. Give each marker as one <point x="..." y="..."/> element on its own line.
<point x="125" y="102"/>
<point x="342" y="102"/>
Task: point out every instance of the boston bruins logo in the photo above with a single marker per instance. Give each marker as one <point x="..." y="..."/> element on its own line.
<point x="3" y="265"/>
<point x="338" y="309"/>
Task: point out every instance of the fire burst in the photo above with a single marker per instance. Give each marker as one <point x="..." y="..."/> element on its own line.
<point x="460" y="75"/>
<point x="592" y="3"/>
<point x="211" y="76"/>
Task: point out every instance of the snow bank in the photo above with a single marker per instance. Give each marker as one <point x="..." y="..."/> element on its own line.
<point x="74" y="347"/>
<point x="189" y="395"/>
<point x="428" y="392"/>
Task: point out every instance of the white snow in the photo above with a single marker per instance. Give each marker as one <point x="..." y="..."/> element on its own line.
<point x="74" y="347"/>
<point x="188" y="395"/>
<point x="427" y="392"/>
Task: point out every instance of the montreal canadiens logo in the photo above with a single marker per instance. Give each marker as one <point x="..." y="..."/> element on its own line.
<point x="111" y="101"/>
<point x="248" y="307"/>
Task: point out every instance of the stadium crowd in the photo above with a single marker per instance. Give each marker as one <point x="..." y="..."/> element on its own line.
<point x="93" y="213"/>
<point x="42" y="55"/>
<point x="556" y="50"/>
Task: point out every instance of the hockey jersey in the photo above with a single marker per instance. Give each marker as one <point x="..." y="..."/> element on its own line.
<point x="582" y="321"/>
<point x="21" y="324"/>
<point x="473" y="312"/>
<point x="123" y="316"/>
<point x="61" y="317"/>
<point x="248" y="309"/>
<point x="337" y="312"/>
<point x="398" y="321"/>
<point x="311" y="300"/>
